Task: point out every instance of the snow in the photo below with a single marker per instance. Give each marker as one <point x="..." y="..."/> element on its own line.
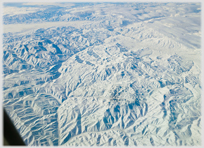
<point x="104" y="73"/>
<point x="16" y="11"/>
<point x="29" y="27"/>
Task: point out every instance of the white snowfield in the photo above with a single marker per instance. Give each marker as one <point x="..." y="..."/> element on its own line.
<point x="104" y="74"/>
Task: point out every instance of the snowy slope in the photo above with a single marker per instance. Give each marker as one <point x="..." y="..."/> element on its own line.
<point x="104" y="73"/>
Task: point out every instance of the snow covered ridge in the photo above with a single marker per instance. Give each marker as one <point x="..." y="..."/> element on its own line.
<point x="104" y="74"/>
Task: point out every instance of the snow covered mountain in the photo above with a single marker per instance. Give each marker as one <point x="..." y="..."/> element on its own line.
<point x="109" y="74"/>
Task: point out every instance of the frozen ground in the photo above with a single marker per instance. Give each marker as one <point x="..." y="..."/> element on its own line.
<point x="103" y="73"/>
